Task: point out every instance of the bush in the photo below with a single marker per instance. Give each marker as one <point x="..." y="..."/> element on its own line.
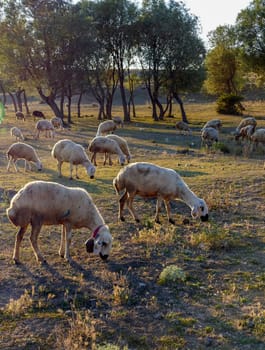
<point x="230" y="104"/>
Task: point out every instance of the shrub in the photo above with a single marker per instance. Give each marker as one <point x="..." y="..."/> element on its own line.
<point x="171" y="274"/>
<point x="229" y="104"/>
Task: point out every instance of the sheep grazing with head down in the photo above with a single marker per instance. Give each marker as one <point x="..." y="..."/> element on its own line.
<point x="245" y="132"/>
<point x="17" y="133"/>
<point x="123" y="145"/>
<point x="106" y="127"/>
<point x="102" y="144"/>
<point x="38" y="114"/>
<point x="209" y="136"/>
<point x="118" y="121"/>
<point x="57" y="122"/>
<point x="44" y="125"/>
<point x="20" y="115"/>
<point x="151" y="181"/>
<point x="41" y="203"/>
<point x="183" y="128"/>
<point x="20" y="150"/>
<point x="73" y="153"/>
<point x="214" y="123"/>
<point x="244" y="122"/>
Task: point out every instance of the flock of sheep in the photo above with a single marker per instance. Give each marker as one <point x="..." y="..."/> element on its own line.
<point x="41" y="203"/>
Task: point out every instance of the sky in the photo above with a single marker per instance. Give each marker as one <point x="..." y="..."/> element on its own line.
<point x="212" y="13"/>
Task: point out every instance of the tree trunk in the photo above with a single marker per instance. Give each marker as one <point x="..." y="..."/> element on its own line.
<point x="13" y="100"/>
<point x="19" y="99"/>
<point x="4" y="93"/>
<point x="79" y="104"/>
<point x="183" y="114"/>
<point x="26" y="102"/>
<point x="124" y="101"/>
<point x="50" y="100"/>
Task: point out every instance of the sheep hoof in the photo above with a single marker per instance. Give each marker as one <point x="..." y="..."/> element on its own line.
<point x="171" y="221"/>
<point x="158" y="222"/>
<point x="137" y="220"/>
<point x="16" y="261"/>
<point x="122" y="218"/>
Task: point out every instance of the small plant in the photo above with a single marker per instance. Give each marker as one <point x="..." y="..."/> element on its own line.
<point x="121" y="291"/>
<point x="171" y="274"/>
<point x="220" y="146"/>
<point x="229" y="104"/>
<point x="21" y="305"/>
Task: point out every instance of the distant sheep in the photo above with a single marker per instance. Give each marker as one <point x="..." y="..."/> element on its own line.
<point x="73" y="153"/>
<point x="151" y="181"/>
<point x="258" y="137"/>
<point x="20" y="115"/>
<point x="244" y="122"/>
<point x="118" y="121"/>
<point x="17" y="133"/>
<point x="44" y="125"/>
<point x="245" y="132"/>
<point x="123" y="145"/>
<point x="183" y="128"/>
<point x="209" y="136"/>
<point x="102" y="144"/>
<point x="106" y="127"/>
<point x="57" y="122"/>
<point x="41" y="203"/>
<point x="38" y="114"/>
<point x="214" y="123"/>
<point x="20" y="150"/>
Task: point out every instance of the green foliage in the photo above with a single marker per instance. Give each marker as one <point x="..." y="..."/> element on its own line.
<point x="222" y="147"/>
<point x="229" y="104"/>
<point x="171" y="275"/>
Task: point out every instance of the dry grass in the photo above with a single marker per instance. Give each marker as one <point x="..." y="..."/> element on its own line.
<point x="219" y="300"/>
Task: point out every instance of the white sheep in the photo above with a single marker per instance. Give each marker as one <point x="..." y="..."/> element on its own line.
<point x="258" y="137"/>
<point x="214" y="123"/>
<point x="244" y="122"/>
<point x="17" y="133"/>
<point x="102" y="144"/>
<point x="41" y="203"/>
<point x="73" y="153"/>
<point x="245" y="132"/>
<point x="44" y="125"/>
<point x="151" y="181"/>
<point x="20" y="115"/>
<point x="183" y="128"/>
<point x="209" y="135"/>
<point x="57" y="122"/>
<point x="118" y="121"/>
<point x="123" y="145"/>
<point x="106" y="127"/>
<point x="20" y="150"/>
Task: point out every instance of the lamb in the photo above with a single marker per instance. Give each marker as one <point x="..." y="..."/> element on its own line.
<point x="245" y="132"/>
<point x="123" y="145"/>
<point x="244" y="122"/>
<point x="183" y="128"/>
<point x="258" y="137"/>
<point x="106" y="127"/>
<point x="38" y="114"/>
<point x="44" y="125"/>
<point x="214" y="123"/>
<point x="20" y="150"/>
<point x="102" y="144"/>
<point x="73" y="153"/>
<point x="57" y="122"/>
<point x="41" y="203"/>
<point x="20" y="115"/>
<point x="209" y="135"/>
<point x="118" y="121"/>
<point x="17" y="133"/>
<point x="151" y="181"/>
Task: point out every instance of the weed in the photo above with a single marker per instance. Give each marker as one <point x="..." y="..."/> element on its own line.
<point x="171" y="275"/>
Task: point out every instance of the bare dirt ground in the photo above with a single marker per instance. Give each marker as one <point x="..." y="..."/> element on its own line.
<point x="120" y="304"/>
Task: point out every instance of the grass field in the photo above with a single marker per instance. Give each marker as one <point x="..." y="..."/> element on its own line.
<point x="185" y="286"/>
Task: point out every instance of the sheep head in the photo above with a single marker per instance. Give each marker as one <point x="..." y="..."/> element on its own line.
<point x="100" y="243"/>
<point x="200" y="209"/>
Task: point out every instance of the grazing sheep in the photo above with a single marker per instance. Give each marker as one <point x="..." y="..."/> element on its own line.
<point x="151" y="181"/>
<point x="73" y="153"/>
<point x="20" y="150"/>
<point x="20" y="115"/>
<point x="209" y="135"/>
<point x="38" y="114"/>
<point x="183" y="128"/>
<point x="258" y="137"/>
<point x="123" y="145"/>
<point x="118" y="121"/>
<point x="102" y="144"/>
<point x="214" y="123"/>
<point x="57" y="122"/>
<point x="244" y="122"/>
<point x="106" y="127"/>
<point x="17" y="133"/>
<point x="44" y="125"/>
<point x="41" y="203"/>
<point x="245" y="132"/>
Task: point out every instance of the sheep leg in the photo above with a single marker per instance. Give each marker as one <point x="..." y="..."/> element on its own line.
<point x="36" y="227"/>
<point x="15" y="165"/>
<point x="158" y="207"/>
<point x="167" y="205"/>
<point x="76" y="175"/>
<point x="9" y="164"/>
<point x="68" y="236"/>
<point x="71" y="172"/>
<point x="18" y="240"/>
<point x="110" y="161"/>
<point x="105" y="158"/>
<point x="59" y="167"/>
<point x="93" y="158"/>
<point x="62" y="244"/>
<point x="122" y="202"/>
<point x="130" y="206"/>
